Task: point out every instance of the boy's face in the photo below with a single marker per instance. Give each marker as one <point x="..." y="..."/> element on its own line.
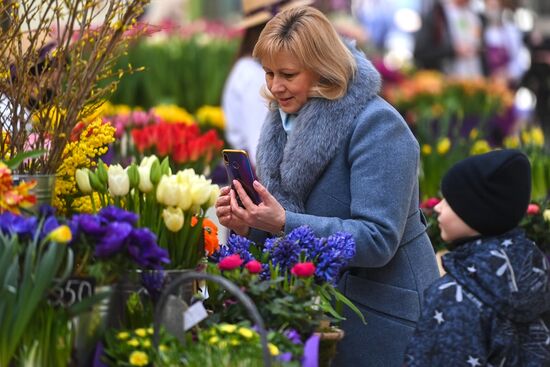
<point x="451" y="225"/>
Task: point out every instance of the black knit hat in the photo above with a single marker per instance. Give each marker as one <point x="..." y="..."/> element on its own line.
<point x="490" y="192"/>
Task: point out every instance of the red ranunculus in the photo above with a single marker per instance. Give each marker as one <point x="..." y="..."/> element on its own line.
<point x="254" y="267"/>
<point x="303" y="270"/>
<point x="533" y="209"/>
<point x="230" y="262"/>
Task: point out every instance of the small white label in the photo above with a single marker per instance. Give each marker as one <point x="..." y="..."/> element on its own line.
<point x="193" y="315"/>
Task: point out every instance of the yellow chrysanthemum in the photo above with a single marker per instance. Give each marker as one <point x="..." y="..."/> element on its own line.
<point x="146" y="343"/>
<point x="213" y="340"/>
<point x="150" y="331"/>
<point x="138" y="358"/>
<point x="480" y="147"/>
<point x="133" y="342"/>
<point x="163" y="348"/>
<point x="123" y="335"/>
<point x="443" y="146"/>
<point x="426" y="149"/>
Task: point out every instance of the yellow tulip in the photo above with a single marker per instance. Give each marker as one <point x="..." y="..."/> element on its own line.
<point x="546" y="215"/>
<point x="61" y="234"/>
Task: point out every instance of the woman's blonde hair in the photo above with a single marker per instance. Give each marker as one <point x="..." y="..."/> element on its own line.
<point x="308" y="35"/>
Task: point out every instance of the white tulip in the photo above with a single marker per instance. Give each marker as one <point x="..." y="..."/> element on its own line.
<point x="170" y="192"/>
<point x="83" y="180"/>
<point x="173" y="218"/>
<point x="119" y="182"/>
<point x="214" y="194"/>
<point x="200" y="191"/>
<point x="145" y="184"/>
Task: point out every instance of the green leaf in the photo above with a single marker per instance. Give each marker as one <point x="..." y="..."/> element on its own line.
<point x="16" y="161"/>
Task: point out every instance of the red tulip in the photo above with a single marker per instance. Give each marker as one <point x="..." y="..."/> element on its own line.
<point x="230" y="262"/>
<point x="303" y="270"/>
<point x="254" y="267"/>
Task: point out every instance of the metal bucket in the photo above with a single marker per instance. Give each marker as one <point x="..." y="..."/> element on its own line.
<point x="44" y="189"/>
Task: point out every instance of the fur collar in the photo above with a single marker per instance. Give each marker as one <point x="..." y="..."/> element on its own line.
<point x="290" y="168"/>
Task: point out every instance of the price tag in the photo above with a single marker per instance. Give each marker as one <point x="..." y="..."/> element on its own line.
<point x="193" y="315"/>
<point x="72" y="291"/>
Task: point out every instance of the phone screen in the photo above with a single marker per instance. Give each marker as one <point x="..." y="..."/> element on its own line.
<point x="238" y="168"/>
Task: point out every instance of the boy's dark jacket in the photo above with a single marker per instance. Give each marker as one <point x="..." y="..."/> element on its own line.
<point x="486" y="311"/>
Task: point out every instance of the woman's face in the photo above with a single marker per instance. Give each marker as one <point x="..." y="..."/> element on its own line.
<point x="451" y="225"/>
<point x="288" y="81"/>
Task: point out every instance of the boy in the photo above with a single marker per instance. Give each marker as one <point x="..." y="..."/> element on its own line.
<point x="486" y="311"/>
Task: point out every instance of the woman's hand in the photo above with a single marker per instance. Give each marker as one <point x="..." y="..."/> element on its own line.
<point x="268" y="216"/>
<point x="226" y="217"/>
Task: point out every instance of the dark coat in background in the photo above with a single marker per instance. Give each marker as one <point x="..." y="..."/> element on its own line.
<point x="486" y="311"/>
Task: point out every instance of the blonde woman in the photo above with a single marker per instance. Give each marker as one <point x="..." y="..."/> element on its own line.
<point x="335" y="156"/>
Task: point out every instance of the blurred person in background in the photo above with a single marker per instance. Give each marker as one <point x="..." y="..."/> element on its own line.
<point x="450" y="40"/>
<point x="537" y="78"/>
<point x="244" y="108"/>
<point x="503" y="45"/>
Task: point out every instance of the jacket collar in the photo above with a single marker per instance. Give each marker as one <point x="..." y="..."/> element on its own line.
<point x="290" y="166"/>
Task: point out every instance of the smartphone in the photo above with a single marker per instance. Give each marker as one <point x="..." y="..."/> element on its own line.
<point x="238" y="168"/>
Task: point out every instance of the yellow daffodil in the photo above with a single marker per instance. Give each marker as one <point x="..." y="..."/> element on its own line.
<point x="537" y="136"/>
<point x="146" y="343"/>
<point x="150" y="331"/>
<point x="480" y="147"/>
<point x="61" y="234"/>
<point x="123" y="335"/>
<point x="163" y="348"/>
<point x="511" y="142"/>
<point x="133" y="342"/>
<point x="138" y="358"/>
<point x="443" y="146"/>
<point x="474" y="133"/>
<point x="426" y="149"/>
<point x="213" y="340"/>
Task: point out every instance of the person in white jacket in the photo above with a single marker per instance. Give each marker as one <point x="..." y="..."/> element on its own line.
<point x="243" y="105"/>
